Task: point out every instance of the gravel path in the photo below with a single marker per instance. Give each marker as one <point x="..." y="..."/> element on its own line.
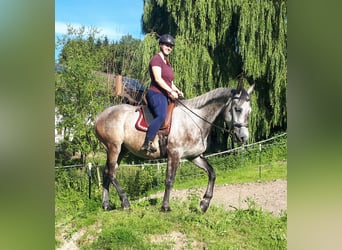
<point x="270" y="196"/>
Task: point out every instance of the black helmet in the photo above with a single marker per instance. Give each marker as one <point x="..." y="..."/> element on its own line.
<point x="168" y="39"/>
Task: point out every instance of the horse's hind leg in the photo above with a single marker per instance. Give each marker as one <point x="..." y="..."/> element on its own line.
<point x="201" y="162"/>
<point x="109" y="176"/>
<point x="105" y="187"/>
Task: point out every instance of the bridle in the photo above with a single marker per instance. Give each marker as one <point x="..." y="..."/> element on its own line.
<point x="236" y="124"/>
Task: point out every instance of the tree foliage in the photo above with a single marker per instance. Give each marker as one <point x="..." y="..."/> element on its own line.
<point x="120" y="56"/>
<point x="80" y="93"/>
<point x="217" y="40"/>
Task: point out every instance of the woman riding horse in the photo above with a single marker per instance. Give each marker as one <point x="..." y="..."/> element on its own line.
<point x="162" y="87"/>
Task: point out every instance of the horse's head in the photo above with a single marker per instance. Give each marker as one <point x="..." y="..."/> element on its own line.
<point x="237" y="112"/>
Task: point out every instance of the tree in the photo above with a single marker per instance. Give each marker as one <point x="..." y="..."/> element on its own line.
<point x="123" y="54"/>
<point x="220" y="41"/>
<point x="80" y="91"/>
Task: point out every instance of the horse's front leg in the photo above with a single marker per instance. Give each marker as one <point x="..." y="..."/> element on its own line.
<point x="172" y="165"/>
<point x="201" y="162"/>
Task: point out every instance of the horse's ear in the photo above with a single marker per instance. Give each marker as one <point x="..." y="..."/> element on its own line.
<point x="239" y="87"/>
<point x="250" y="89"/>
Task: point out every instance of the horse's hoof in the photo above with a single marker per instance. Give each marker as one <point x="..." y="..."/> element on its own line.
<point x="106" y="207"/>
<point x="125" y="208"/>
<point x="125" y="205"/>
<point x="165" y="209"/>
<point x="204" y="205"/>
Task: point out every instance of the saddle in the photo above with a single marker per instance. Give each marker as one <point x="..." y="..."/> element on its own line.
<point x="145" y="118"/>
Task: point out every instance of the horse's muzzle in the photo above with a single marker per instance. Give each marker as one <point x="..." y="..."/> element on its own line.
<point x="240" y="133"/>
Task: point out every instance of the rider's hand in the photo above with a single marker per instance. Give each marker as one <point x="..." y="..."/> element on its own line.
<point x="174" y="94"/>
<point x="180" y="94"/>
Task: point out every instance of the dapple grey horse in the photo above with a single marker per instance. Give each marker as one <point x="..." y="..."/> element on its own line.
<point x="191" y="125"/>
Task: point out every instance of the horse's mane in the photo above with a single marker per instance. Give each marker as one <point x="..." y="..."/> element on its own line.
<point x="202" y="100"/>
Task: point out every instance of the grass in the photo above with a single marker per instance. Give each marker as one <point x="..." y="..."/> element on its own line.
<point x="144" y="226"/>
<point x="251" y="173"/>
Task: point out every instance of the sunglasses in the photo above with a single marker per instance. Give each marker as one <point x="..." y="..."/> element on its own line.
<point x="168" y="45"/>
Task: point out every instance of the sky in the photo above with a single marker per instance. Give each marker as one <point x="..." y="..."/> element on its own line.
<point x="113" y="18"/>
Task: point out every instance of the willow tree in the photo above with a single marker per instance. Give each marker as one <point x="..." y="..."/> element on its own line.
<point x="219" y="41"/>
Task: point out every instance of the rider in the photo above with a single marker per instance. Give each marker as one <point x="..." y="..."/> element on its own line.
<point x="161" y="88"/>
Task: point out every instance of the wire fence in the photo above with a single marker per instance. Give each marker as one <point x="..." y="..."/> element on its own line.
<point x="138" y="178"/>
<point x="159" y="162"/>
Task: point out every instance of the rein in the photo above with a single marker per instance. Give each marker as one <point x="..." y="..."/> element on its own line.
<point x="216" y="126"/>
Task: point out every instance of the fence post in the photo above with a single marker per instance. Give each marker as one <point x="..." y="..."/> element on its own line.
<point x="98" y="175"/>
<point x="89" y="178"/>
<point x="158" y="168"/>
<point x="243" y="155"/>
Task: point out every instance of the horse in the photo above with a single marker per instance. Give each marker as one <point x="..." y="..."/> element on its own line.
<point x="191" y="124"/>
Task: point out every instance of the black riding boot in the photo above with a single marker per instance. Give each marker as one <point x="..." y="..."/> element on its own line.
<point x="148" y="146"/>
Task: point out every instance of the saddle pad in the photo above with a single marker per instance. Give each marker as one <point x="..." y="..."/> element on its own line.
<point x="144" y="119"/>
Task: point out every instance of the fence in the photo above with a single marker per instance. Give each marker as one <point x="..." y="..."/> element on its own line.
<point x="136" y="182"/>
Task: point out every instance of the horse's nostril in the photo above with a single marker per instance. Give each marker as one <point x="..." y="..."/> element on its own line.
<point x="243" y="138"/>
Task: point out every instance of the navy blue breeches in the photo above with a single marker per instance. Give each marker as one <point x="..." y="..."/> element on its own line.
<point x="157" y="103"/>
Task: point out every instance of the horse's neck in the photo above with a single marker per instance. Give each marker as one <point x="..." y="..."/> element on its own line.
<point x="210" y="105"/>
<point x="212" y="111"/>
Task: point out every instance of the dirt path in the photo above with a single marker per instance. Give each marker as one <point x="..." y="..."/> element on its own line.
<point x="270" y="196"/>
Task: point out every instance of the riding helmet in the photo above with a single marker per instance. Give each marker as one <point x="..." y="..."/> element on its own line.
<point x="168" y="39"/>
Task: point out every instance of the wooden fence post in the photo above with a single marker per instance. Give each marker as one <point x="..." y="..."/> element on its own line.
<point x="98" y="176"/>
<point x="118" y="85"/>
<point x="89" y="178"/>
